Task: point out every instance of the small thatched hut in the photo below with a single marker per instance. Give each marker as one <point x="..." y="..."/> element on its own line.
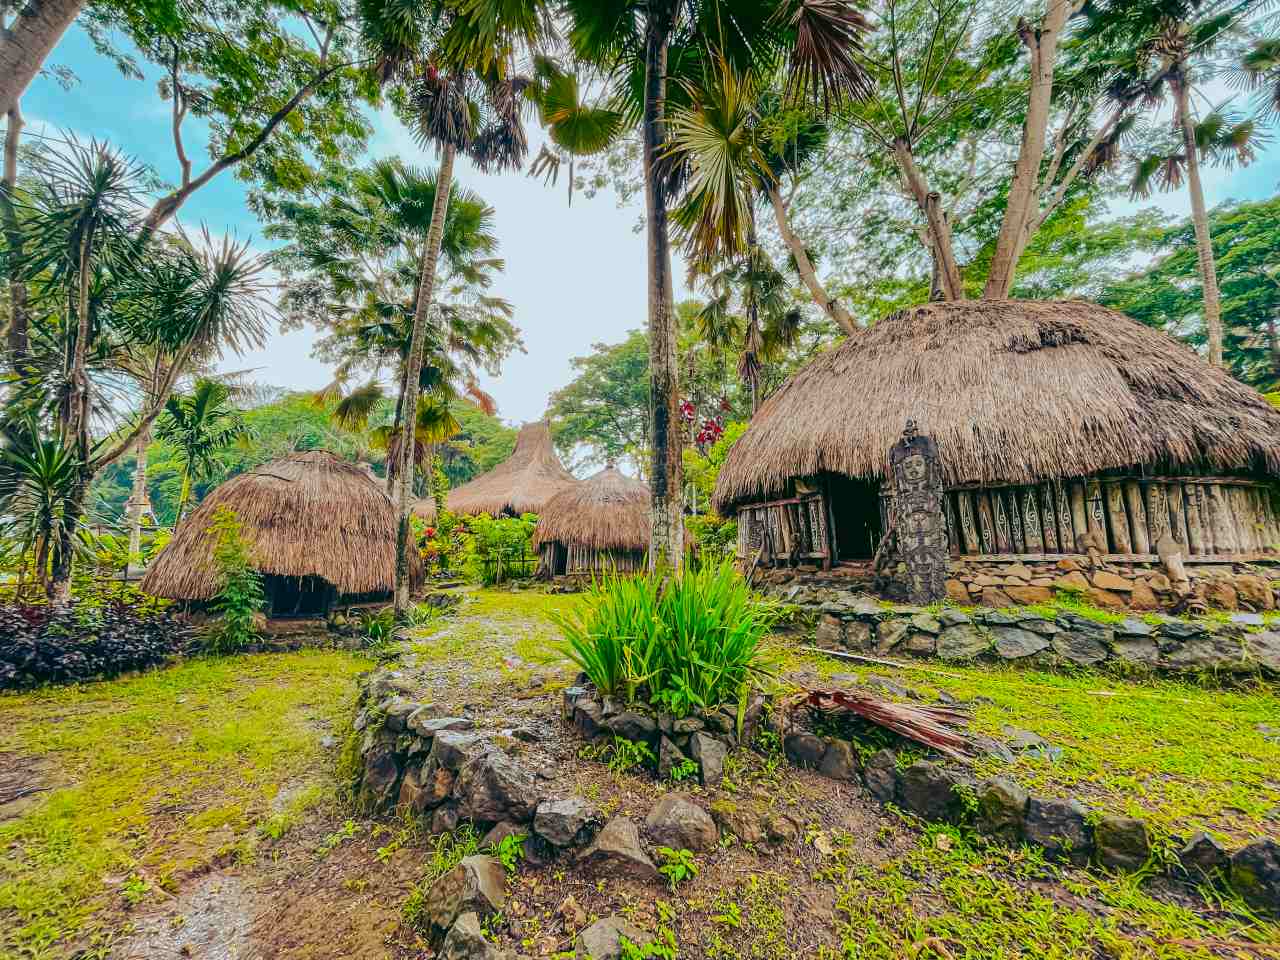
<point x="1053" y="420"/>
<point x="598" y="525"/>
<point x="522" y="483"/>
<point x="319" y="529"/>
<point x="425" y="509"/>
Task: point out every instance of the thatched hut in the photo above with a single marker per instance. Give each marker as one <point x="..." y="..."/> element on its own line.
<point x="522" y="483"/>
<point x="1053" y="420"/>
<point x="425" y="509"/>
<point x="320" y="530"/>
<point x="598" y="525"/>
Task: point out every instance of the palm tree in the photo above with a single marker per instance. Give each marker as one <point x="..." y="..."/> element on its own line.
<point x="200" y="424"/>
<point x="465" y="98"/>
<point x="648" y="52"/>
<point x="37" y="477"/>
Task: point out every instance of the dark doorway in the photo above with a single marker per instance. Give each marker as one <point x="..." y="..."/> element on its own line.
<point x="855" y="508"/>
<point x="299" y="596"/>
<point x="559" y="559"/>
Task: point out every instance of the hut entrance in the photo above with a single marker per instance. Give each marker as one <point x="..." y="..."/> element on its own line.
<point x="298" y="596"/>
<point x="855" y="514"/>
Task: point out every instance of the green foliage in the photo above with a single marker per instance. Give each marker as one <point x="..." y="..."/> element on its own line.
<point x="684" y="770"/>
<point x="681" y="641"/>
<point x="509" y="851"/>
<point x="240" y="594"/>
<point x="447" y="851"/>
<point x="677" y="866"/>
<point x="378" y="627"/>
<point x="626" y="755"/>
<point x="703" y="469"/>
<point x="500" y="548"/>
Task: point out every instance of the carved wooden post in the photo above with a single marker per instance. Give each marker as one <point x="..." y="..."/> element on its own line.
<point x="920" y="524"/>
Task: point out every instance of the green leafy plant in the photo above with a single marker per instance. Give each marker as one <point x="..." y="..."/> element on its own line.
<point x="629" y="754"/>
<point x="682" y="640"/>
<point x="509" y="850"/>
<point x="240" y="595"/>
<point x="378" y="629"/>
<point x="684" y="770"/>
<point x="677" y="866"/>
<point x="500" y="548"/>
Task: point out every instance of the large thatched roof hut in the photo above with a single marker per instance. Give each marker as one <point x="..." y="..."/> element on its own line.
<point x="599" y="524"/>
<point x="319" y="529"/>
<point x="1052" y="419"/>
<point x="522" y="483"/>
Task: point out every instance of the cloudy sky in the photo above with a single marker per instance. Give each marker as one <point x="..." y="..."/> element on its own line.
<point x="576" y="274"/>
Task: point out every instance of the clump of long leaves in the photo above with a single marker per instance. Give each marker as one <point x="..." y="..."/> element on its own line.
<point x="680" y="641"/>
<point x="241" y="595"/>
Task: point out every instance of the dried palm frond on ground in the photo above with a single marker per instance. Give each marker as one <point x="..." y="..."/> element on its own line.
<point x="929" y="726"/>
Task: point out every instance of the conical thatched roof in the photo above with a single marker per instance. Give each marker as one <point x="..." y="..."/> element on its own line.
<point x="522" y="483"/>
<point x="307" y="514"/>
<point x="425" y="509"/>
<point x="1013" y="392"/>
<point x="608" y="511"/>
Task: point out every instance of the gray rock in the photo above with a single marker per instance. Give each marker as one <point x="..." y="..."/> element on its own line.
<point x="676" y="821"/>
<point x="1060" y="826"/>
<point x="804" y="749"/>
<point x="1249" y="619"/>
<point x="500" y="832"/>
<point x="830" y="631"/>
<point x="1177" y="630"/>
<point x="961" y="642"/>
<point x="451" y="749"/>
<point x="444" y="819"/>
<point x="397" y="711"/>
<point x="1202" y="857"/>
<point x="689" y="724"/>
<point x="998" y="618"/>
<point x="617" y="851"/>
<point x="1122" y="843"/>
<point x="566" y="823"/>
<point x="603" y="939"/>
<point x="634" y="726"/>
<point x="1038" y="625"/>
<point x="744" y="823"/>
<point x="494" y="787"/>
<point x="857" y="635"/>
<point x="569" y="700"/>
<point x="926" y="623"/>
<point x="782" y="829"/>
<point x="890" y="633"/>
<point x="710" y="753"/>
<point x="1020" y="739"/>
<point x="381" y="776"/>
<point x="1205" y="652"/>
<point x="950" y="618"/>
<point x="425" y="725"/>
<point x="927" y="789"/>
<point x="465" y="941"/>
<point x="885" y="685"/>
<point x="1082" y="649"/>
<point x="1133" y="627"/>
<point x="588" y="717"/>
<point x="1255" y="875"/>
<point x="1014" y="643"/>
<point x="919" y="644"/>
<point x="1137" y="651"/>
<point x="839" y="761"/>
<point x="1264" y="648"/>
<point x="476" y="885"/>
<point x="669" y="757"/>
<point x="1002" y="808"/>
<point x="880" y="774"/>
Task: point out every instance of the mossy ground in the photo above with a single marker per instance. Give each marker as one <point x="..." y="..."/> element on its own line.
<point x="208" y="783"/>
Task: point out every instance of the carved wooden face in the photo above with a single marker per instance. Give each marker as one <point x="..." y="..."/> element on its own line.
<point x="914" y="468"/>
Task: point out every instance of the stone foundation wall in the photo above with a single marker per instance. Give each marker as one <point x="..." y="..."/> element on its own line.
<point x="863" y="625"/>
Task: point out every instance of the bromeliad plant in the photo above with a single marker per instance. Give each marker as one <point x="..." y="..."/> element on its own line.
<point x="678" y="641"/>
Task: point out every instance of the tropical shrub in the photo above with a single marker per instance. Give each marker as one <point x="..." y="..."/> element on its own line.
<point x="240" y="596"/>
<point x="677" y="641"/>
<point x="43" y="644"/>
<point x="443" y="542"/>
<point x="501" y="548"/>
<point x="714" y="537"/>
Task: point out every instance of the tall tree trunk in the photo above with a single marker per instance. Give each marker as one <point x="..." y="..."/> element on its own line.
<point x="930" y="204"/>
<point x="1023" y="200"/>
<point x="1199" y="218"/>
<point x="137" y="503"/>
<point x="666" y="543"/>
<point x="18" y="334"/>
<point x="413" y="370"/>
<point x="59" y="585"/>
<point x="28" y="41"/>
<point x="809" y="276"/>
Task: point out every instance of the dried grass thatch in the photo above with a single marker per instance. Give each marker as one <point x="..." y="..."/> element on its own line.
<point x="523" y="483"/>
<point x="1013" y="392"/>
<point x="305" y="515"/>
<point x="425" y="509"/>
<point x="608" y="511"/>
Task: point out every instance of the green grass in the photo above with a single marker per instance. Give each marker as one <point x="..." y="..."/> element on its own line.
<point x="949" y="898"/>
<point x="1180" y="755"/>
<point x="491" y="624"/>
<point x="167" y="771"/>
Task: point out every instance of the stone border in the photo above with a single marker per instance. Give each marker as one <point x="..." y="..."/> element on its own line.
<point x="863" y="625"/>
<point x="1065" y="829"/>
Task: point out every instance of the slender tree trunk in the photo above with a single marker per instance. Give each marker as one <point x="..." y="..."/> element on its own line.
<point x="137" y="503"/>
<point x="18" y="335"/>
<point x="666" y="544"/>
<point x="1273" y="348"/>
<point x="183" y="493"/>
<point x="809" y="276"/>
<point x="1199" y="218"/>
<point x="59" y="585"/>
<point x="413" y="370"/>
<point x="1042" y="44"/>
<point x="28" y="41"/>
<point x="930" y="204"/>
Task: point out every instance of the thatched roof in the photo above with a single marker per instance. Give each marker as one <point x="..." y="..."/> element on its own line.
<point x="522" y="483"/>
<point x="425" y="509"/>
<point x="1013" y="392"/>
<point x="307" y="514"/>
<point x="608" y="511"/>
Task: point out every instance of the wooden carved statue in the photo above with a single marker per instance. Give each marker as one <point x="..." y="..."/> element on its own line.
<point x="919" y="524"/>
